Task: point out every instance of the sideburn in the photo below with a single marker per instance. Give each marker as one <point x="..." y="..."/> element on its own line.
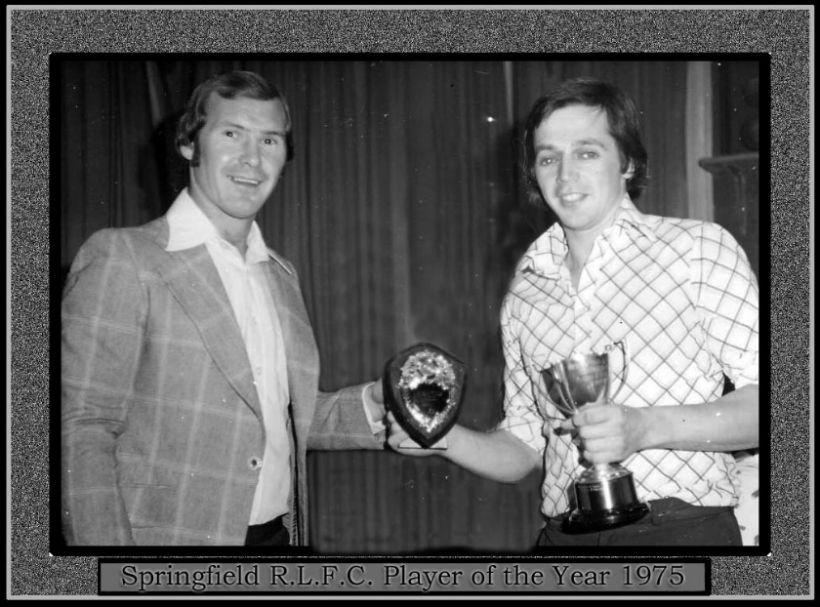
<point x="194" y="162"/>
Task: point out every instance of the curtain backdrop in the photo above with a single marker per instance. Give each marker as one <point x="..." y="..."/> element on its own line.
<point x="404" y="215"/>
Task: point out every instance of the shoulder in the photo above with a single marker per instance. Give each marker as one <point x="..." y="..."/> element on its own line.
<point x="518" y="287"/>
<point x="136" y="246"/>
<point x="152" y="234"/>
<point x="522" y="269"/>
<point x="281" y="263"/>
<point x="691" y="236"/>
<point x="520" y="278"/>
<point x="106" y="262"/>
<point x="708" y="252"/>
<point x="543" y="256"/>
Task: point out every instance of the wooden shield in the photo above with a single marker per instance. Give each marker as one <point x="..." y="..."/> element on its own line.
<point x="423" y="387"/>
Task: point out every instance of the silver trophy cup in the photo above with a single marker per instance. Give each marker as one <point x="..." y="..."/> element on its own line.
<point x="605" y="493"/>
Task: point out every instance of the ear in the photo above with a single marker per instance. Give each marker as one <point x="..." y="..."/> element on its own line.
<point x="187" y="151"/>
<point x="630" y="170"/>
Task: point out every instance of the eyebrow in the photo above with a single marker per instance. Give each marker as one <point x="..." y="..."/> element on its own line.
<point x="581" y="142"/>
<point x="236" y="125"/>
<point x="592" y="141"/>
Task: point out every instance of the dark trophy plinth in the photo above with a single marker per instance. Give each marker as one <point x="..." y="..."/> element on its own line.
<point x="423" y="388"/>
<point x="605" y="493"/>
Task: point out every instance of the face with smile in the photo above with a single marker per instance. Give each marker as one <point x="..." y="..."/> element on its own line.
<point x="242" y="151"/>
<point x="578" y="168"/>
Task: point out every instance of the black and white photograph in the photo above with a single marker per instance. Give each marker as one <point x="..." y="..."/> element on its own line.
<point x="413" y="321"/>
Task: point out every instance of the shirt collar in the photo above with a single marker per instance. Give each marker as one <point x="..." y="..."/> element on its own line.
<point x="547" y="253"/>
<point x="630" y="218"/>
<point x="189" y="227"/>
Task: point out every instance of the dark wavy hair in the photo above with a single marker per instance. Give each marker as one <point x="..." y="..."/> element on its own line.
<point x="623" y="126"/>
<point x="228" y="85"/>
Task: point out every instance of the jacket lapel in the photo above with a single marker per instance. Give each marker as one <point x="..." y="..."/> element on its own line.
<point x="300" y="345"/>
<point x="193" y="280"/>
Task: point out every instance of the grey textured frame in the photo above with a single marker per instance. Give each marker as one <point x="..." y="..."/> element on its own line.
<point x="784" y="33"/>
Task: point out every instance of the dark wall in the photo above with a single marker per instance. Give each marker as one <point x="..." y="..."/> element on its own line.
<point x="404" y="214"/>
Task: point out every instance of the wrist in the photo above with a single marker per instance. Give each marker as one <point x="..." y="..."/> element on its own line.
<point x="650" y="427"/>
<point x="452" y="439"/>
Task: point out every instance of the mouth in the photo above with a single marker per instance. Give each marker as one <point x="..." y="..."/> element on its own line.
<point x="248" y="182"/>
<point x="571" y="197"/>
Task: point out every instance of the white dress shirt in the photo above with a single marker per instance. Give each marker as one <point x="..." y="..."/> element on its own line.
<point x="250" y="296"/>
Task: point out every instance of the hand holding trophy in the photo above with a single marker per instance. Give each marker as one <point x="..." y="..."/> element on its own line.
<point x="605" y="494"/>
<point x="423" y="389"/>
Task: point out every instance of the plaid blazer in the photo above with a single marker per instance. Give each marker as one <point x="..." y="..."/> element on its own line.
<point x="161" y="423"/>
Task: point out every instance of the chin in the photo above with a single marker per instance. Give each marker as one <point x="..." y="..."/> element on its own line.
<point x="251" y="199"/>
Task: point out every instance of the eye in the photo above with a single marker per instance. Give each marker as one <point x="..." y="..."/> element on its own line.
<point x="271" y="140"/>
<point x="545" y="160"/>
<point x="588" y="154"/>
<point x="229" y="133"/>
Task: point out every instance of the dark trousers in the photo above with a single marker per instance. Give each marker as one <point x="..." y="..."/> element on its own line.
<point x="670" y="522"/>
<point x="272" y="533"/>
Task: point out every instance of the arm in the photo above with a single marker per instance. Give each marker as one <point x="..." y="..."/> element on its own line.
<point x="340" y="421"/>
<point x="729" y="423"/>
<point x="725" y="294"/>
<point x="496" y="455"/>
<point x="611" y="433"/>
<point x="101" y="340"/>
<point x="513" y="449"/>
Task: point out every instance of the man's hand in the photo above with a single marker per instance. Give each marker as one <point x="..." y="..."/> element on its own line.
<point x="399" y="441"/>
<point x="607" y="433"/>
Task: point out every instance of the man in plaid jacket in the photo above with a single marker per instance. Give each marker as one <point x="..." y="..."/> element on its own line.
<point x="679" y="292"/>
<point x="189" y="366"/>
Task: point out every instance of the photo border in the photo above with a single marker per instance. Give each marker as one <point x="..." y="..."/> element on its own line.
<point x="32" y="316"/>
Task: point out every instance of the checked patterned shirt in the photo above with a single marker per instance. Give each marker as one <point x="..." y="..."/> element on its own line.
<point x="681" y="294"/>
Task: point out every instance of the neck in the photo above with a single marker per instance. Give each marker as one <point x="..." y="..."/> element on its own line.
<point x="577" y="254"/>
<point x="235" y="230"/>
<point x="238" y="238"/>
<point x="578" y="251"/>
<point x="579" y="246"/>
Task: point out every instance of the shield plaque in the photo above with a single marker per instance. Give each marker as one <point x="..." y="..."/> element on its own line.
<point x="423" y="387"/>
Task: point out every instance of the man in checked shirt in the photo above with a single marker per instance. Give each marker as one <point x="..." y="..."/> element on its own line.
<point x="680" y="292"/>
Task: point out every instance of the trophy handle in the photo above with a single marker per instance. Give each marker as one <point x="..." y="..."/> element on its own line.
<point x="623" y="345"/>
<point x="567" y="405"/>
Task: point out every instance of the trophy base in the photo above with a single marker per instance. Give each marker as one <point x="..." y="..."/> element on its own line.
<point x="606" y="499"/>
<point x="580" y="521"/>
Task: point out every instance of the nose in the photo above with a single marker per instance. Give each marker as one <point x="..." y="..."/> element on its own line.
<point x="566" y="170"/>
<point x="250" y="153"/>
